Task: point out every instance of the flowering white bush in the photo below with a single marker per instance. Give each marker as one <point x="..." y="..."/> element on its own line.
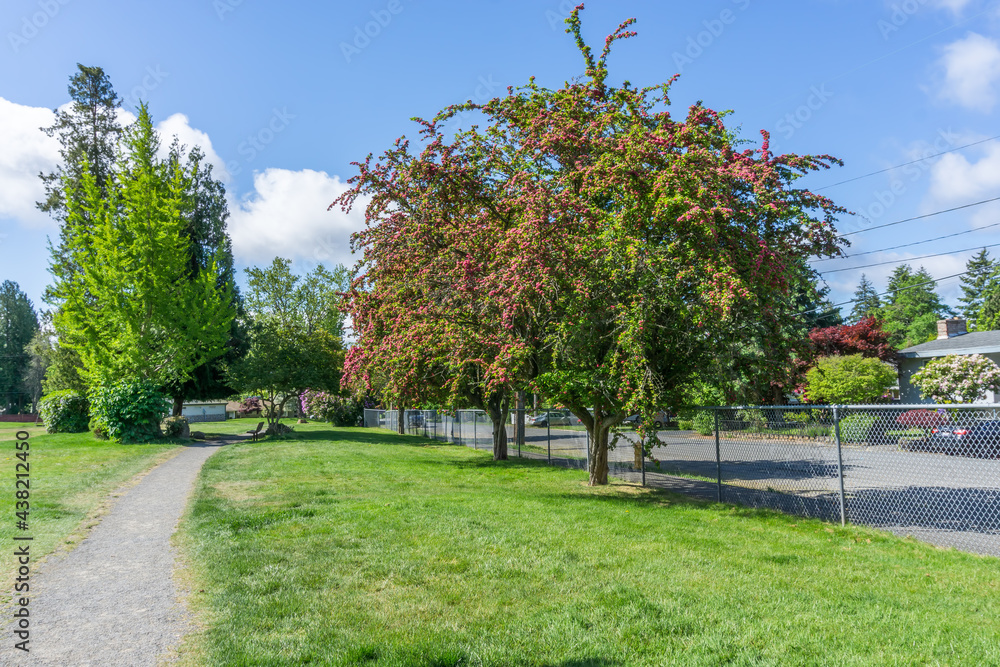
<point x="957" y="378"/>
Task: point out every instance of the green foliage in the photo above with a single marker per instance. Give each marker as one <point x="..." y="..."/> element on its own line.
<point x="685" y="425"/>
<point x="176" y="427"/>
<point x="866" y="301"/>
<point x="18" y="323"/>
<point x="988" y="318"/>
<point x="849" y="379"/>
<point x="130" y="306"/>
<point x="331" y="408"/>
<point x="128" y="410"/>
<point x="306" y="303"/>
<point x="855" y="428"/>
<point x="979" y="272"/>
<point x="704" y="422"/>
<point x="957" y="378"/>
<point x="797" y="416"/>
<point x="65" y="412"/>
<point x="913" y="307"/>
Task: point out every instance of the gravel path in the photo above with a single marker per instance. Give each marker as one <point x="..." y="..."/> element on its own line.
<point x="112" y="600"/>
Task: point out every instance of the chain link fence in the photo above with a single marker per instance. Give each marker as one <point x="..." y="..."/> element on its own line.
<point x="929" y="471"/>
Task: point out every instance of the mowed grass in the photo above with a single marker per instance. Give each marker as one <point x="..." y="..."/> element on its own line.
<point x="71" y="478"/>
<point x="361" y="547"/>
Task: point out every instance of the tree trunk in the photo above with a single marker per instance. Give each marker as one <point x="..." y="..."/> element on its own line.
<point x="498" y="408"/>
<point x="519" y="430"/>
<point x="178" y="406"/>
<point x="637" y="447"/>
<point x="599" y="454"/>
<point x="400" y="416"/>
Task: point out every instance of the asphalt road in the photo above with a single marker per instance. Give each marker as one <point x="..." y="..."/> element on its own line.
<point x="943" y="499"/>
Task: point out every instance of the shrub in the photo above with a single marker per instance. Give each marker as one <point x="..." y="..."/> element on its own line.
<point x="128" y="411"/>
<point x="855" y="428"/>
<point x="957" y="378"/>
<point x="65" y="412"/>
<point x="251" y="404"/>
<point x="798" y="416"/>
<point x="176" y="427"/>
<point x="686" y="425"/>
<point x="332" y="408"/>
<point x="704" y="422"/>
<point x="849" y="379"/>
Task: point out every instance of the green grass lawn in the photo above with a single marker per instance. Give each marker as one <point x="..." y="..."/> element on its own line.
<point x="71" y="476"/>
<point x="360" y="547"/>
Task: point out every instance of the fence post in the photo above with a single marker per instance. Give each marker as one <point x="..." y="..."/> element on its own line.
<point x="475" y="430"/>
<point x="643" y="443"/>
<point x="436" y="414"/>
<point x="718" y="458"/>
<point x="548" y="436"/>
<point x="840" y="464"/>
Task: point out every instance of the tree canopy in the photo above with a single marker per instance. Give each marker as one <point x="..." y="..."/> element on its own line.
<point x="586" y="244"/>
<point x="912" y="307"/>
<point x="18" y="324"/>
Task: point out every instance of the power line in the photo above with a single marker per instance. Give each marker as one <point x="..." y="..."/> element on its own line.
<point x="906" y="164"/>
<point x="921" y="217"/>
<point x="908" y="259"/>
<point x="901" y="289"/>
<point x="907" y="245"/>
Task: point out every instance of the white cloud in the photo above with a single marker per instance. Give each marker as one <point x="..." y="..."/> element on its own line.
<point x="956" y="6"/>
<point x="955" y="180"/>
<point x="971" y="69"/>
<point x="180" y="126"/>
<point x="287" y="216"/>
<point x="26" y="152"/>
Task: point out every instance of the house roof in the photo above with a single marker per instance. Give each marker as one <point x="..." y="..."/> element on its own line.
<point x="976" y="342"/>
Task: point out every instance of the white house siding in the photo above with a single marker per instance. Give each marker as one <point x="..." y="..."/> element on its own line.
<point x="204" y="412"/>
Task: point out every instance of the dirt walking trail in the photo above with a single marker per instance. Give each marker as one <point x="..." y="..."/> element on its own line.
<point x="112" y="600"/>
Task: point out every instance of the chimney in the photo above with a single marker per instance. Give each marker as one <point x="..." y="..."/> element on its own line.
<point x="950" y="328"/>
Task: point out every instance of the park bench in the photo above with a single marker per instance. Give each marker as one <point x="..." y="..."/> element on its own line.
<point x="254" y="433"/>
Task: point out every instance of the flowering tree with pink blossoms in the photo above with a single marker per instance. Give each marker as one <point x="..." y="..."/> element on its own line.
<point x="583" y="243"/>
<point x="957" y="378"/>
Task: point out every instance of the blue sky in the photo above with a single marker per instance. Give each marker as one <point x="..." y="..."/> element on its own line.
<point x="284" y="96"/>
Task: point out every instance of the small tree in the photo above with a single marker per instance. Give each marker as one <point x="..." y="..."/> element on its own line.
<point x="957" y="378"/>
<point x="848" y="379"/>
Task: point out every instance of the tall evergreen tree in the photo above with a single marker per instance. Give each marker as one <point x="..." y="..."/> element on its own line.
<point x="133" y="309"/>
<point x="912" y="307"/>
<point x="980" y="269"/>
<point x="866" y="301"/>
<point x="18" y="323"/>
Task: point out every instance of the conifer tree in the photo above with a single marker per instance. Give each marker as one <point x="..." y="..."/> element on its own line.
<point x="866" y="301"/>
<point x="980" y="269"/>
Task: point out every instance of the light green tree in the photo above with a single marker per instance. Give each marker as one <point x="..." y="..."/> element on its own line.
<point x="912" y="307"/>
<point x="133" y="309"/>
<point x="849" y="379"/>
<point x="979" y="271"/>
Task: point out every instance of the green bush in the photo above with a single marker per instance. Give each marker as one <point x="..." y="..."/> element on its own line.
<point x="704" y="422"/>
<point x="798" y="416"/>
<point x="855" y="428"/>
<point x="65" y="412"/>
<point x="686" y="425"/>
<point x="849" y="379"/>
<point x="176" y="427"/>
<point x="128" y="411"/>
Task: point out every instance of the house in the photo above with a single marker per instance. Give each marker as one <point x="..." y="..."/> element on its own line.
<point x="204" y="411"/>
<point x="952" y="339"/>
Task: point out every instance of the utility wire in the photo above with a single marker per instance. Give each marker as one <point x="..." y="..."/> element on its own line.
<point x="906" y="164"/>
<point x="909" y="259"/>
<point x="907" y="245"/>
<point x="921" y="217"/>
<point x="901" y="289"/>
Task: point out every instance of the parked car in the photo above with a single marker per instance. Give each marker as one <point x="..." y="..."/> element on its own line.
<point x="978" y="439"/>
<point x="556" y="418"/>
<point x="661" y="419"/>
